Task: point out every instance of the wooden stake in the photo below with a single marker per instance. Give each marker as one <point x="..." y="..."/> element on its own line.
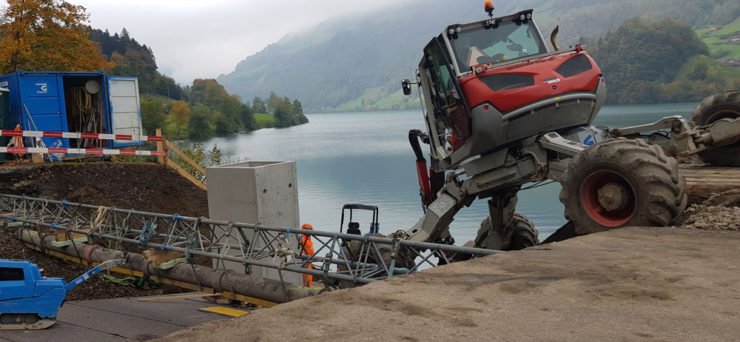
<point x="161" y="147"/>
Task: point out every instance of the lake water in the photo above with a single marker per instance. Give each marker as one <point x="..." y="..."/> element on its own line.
<point x="366" y="158"/>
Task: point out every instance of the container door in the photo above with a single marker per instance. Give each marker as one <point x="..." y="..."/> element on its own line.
<point x="125" y="108"/>
<point x="42" y="106"/>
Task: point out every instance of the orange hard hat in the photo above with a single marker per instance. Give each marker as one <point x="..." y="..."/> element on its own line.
<point x="307" y="226"/>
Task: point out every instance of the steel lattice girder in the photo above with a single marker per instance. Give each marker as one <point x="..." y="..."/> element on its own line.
<point x="235" y="241"/>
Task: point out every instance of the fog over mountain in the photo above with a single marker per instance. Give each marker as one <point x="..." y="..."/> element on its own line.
<point x="357" y="63"/>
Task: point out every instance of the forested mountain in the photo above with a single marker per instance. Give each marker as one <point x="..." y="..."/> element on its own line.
<point x="201" y="110"/>
<point x="135" y="59"/>
<point x="648" y="61"/>
<point x="357" y="63"/>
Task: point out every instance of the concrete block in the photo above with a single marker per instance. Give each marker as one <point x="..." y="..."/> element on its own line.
<point x="264" y="192"/>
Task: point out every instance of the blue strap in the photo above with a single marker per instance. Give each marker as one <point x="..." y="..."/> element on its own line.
<point x="287" y="234"/>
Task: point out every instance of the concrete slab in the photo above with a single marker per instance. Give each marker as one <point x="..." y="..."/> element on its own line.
<point x="119" y="319"/>
<point x="59" y="332"/>
<point x="182" y="312"/>
<point x="114" y="323"/>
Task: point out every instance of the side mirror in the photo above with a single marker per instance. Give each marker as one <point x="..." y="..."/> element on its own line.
<point x="406" y="85"/>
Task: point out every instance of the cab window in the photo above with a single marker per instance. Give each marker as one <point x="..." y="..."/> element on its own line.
<point x="449" y="105"/>
<point x="494" y="44"/>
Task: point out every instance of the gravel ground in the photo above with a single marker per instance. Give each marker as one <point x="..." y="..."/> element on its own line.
<point x="721" y="211"/>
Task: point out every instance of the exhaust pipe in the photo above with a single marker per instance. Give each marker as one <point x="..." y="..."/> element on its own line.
<point x="553" y="38"/>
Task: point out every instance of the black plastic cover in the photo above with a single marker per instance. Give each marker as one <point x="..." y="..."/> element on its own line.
<point x="574" y="66"/>
<point x="507" y="81"/>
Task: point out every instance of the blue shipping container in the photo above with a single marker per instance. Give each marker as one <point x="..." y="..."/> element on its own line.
<point x="69" y="102"/>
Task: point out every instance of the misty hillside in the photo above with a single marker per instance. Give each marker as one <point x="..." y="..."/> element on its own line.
<point x="357" y="63"/>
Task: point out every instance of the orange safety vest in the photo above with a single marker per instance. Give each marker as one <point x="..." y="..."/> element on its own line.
<point x="307" y="250"/>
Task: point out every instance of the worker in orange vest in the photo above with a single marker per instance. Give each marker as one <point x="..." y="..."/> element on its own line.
<point x="307" y="250"/>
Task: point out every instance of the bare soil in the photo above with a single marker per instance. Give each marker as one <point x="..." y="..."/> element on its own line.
<point x="140" y="186"/>
<point x="145" y="187"/>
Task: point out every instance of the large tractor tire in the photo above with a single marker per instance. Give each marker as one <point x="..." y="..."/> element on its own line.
<point x="715" y="109"/>
<point x="518" y="234"/>
<point x="620" y="183"/>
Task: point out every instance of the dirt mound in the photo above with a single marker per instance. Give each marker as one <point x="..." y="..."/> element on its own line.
<point x="140" y="186"/>
<point x="145" y="187"/>
<point x="721" y="211"/>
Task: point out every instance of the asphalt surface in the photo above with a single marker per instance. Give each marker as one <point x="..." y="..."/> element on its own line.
<point x="119" y="319"/>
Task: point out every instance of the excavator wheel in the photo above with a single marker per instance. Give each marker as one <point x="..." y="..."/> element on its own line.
<point x="519" y="234"/>
<point x="355" y="251"/>
<point x="620" y="183"/>
<point x="715" y="109"/>
<point x="524" y="235"/>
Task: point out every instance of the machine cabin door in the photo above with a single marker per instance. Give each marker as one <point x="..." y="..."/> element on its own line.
<point x="125" y="108"/>
<point x="449" y="103"/>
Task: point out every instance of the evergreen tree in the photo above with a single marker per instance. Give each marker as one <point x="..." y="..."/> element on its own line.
<point x="258" y="105"/>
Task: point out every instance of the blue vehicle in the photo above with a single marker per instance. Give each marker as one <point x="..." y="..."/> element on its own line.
<point x="31" y="301"/>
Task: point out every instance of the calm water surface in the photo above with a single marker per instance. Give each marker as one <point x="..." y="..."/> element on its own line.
<point x="366" y="158"/>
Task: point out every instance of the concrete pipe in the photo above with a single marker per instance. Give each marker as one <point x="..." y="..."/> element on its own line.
<point x="218" y="279"/>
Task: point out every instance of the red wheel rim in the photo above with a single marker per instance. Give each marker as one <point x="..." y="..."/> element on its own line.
<point x="590" y="199"/>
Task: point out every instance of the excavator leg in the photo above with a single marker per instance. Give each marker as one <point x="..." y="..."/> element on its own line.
<point x="503" y="228"/>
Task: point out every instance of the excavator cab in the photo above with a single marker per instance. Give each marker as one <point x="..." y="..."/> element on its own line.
<point x="491" y="83"/>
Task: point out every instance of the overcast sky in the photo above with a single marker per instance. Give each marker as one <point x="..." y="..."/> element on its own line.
<point x="202" y="39"/>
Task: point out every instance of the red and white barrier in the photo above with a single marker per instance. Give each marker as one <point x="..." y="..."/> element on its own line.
<point x="72" y="135"/>
<point x="98" y="151"/>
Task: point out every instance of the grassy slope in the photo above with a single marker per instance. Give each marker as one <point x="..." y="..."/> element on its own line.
<point x="719" y="42"/>
<point x="264" y="120"/>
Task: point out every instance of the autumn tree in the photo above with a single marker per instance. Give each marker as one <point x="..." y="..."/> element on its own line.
<point x="180" y="114"/>
<point x="47" y="35"/>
